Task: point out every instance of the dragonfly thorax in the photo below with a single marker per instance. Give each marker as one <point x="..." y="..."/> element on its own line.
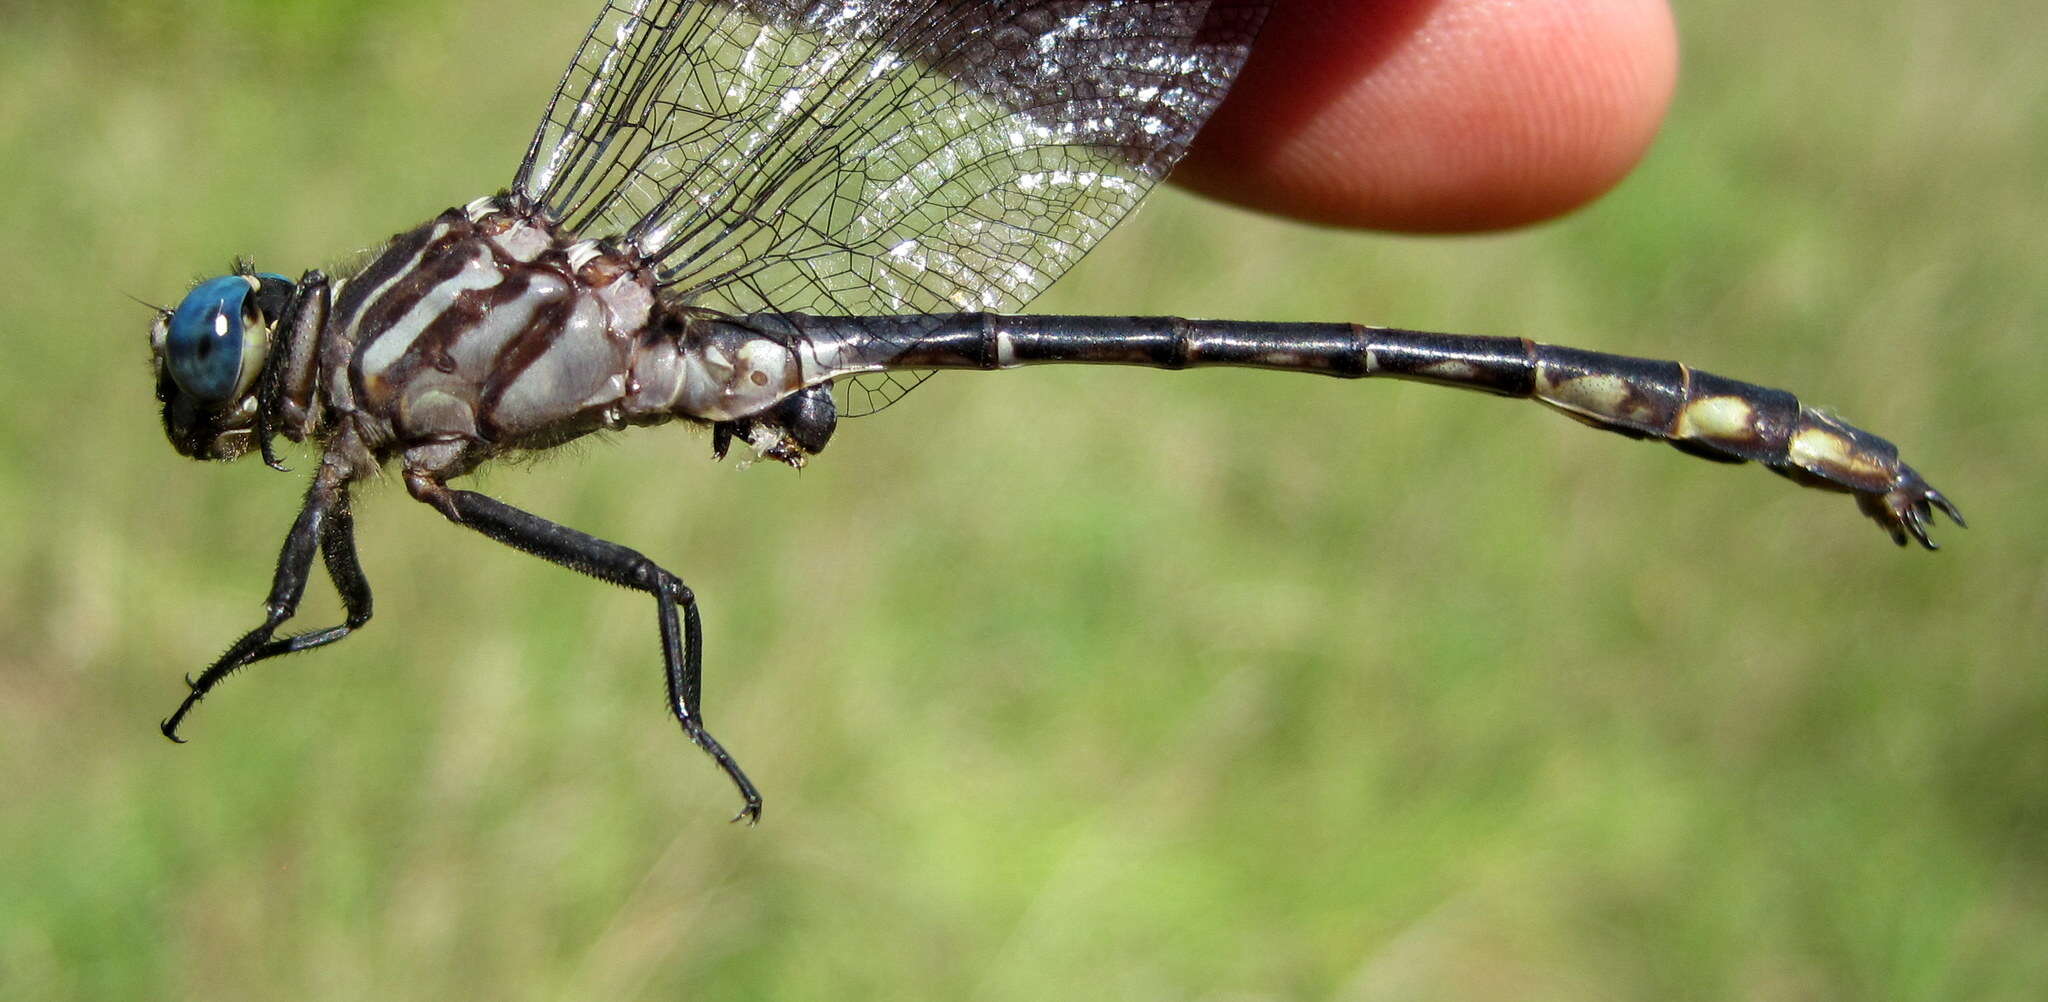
<point x="489" y="330"/>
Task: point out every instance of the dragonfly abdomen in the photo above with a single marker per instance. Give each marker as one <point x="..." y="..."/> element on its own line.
<point x="1698" y="412"/>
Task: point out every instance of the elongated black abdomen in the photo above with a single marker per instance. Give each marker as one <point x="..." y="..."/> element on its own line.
<point x="1698" y="412"/>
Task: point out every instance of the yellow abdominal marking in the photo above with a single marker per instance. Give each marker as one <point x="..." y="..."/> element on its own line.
<point x="1717" y="418"/>
<point x="1596" y="395"/>
<point x="1818" y="448"/>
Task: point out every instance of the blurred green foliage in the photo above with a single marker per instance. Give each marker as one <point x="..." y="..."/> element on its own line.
<point x="1060" y="684"/>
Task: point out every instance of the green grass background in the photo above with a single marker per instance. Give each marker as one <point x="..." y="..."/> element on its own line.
<point x="1061" y="683"/>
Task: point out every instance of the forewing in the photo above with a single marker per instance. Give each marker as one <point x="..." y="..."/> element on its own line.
<point x="851" y="157"/>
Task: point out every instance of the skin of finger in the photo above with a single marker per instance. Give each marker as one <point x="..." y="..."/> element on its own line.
<point x="1439" y="115"/>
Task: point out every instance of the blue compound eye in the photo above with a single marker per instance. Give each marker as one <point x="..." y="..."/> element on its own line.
<point x="216" y="342"/>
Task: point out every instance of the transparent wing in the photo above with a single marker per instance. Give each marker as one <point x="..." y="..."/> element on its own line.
<point x="860" y="157"/>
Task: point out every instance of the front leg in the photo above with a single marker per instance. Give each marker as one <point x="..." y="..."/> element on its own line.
<point x="324" y="523"/>
<point x="289" y="369"/>
<point x="681" y="647"/>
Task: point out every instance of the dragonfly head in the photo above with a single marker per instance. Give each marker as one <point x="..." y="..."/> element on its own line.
<point x="209" y="352"/>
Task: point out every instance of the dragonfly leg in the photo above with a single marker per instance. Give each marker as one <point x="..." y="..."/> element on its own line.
<point x="682" y="635"/>
<point x="288" y="369"/>
<point x="324" y="523"/>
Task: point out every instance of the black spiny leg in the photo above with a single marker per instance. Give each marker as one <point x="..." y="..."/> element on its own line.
<point x="323" y="522"/>
<point x="682" y="645"/>
<point x="301" y="312"/>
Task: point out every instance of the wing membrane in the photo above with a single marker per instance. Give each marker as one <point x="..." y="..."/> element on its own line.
<point x="852" y="157"/>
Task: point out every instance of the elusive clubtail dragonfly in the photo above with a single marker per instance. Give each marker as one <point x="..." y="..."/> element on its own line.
<point x="731" y="208"/>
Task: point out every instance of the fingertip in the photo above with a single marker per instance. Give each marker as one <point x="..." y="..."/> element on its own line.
<point x="1439" y="115"/>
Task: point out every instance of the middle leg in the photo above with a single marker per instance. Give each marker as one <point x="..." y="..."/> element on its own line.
<point x="682" y="635"/>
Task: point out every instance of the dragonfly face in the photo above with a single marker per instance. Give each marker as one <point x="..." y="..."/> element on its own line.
<point x="209" y="353"/>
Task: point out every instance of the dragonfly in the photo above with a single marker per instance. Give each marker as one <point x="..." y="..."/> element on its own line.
<point x="760" y="216"/>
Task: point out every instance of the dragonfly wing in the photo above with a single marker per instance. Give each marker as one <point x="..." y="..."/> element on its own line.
<point x="865" y="393"/>
<point x="860" y="157"/>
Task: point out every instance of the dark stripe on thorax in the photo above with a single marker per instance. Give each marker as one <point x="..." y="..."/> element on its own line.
<point x="383" y="313"/>
<point x="398" y="254"/>
<point x="435" y="344"/>
<point x="519" y="354"/>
